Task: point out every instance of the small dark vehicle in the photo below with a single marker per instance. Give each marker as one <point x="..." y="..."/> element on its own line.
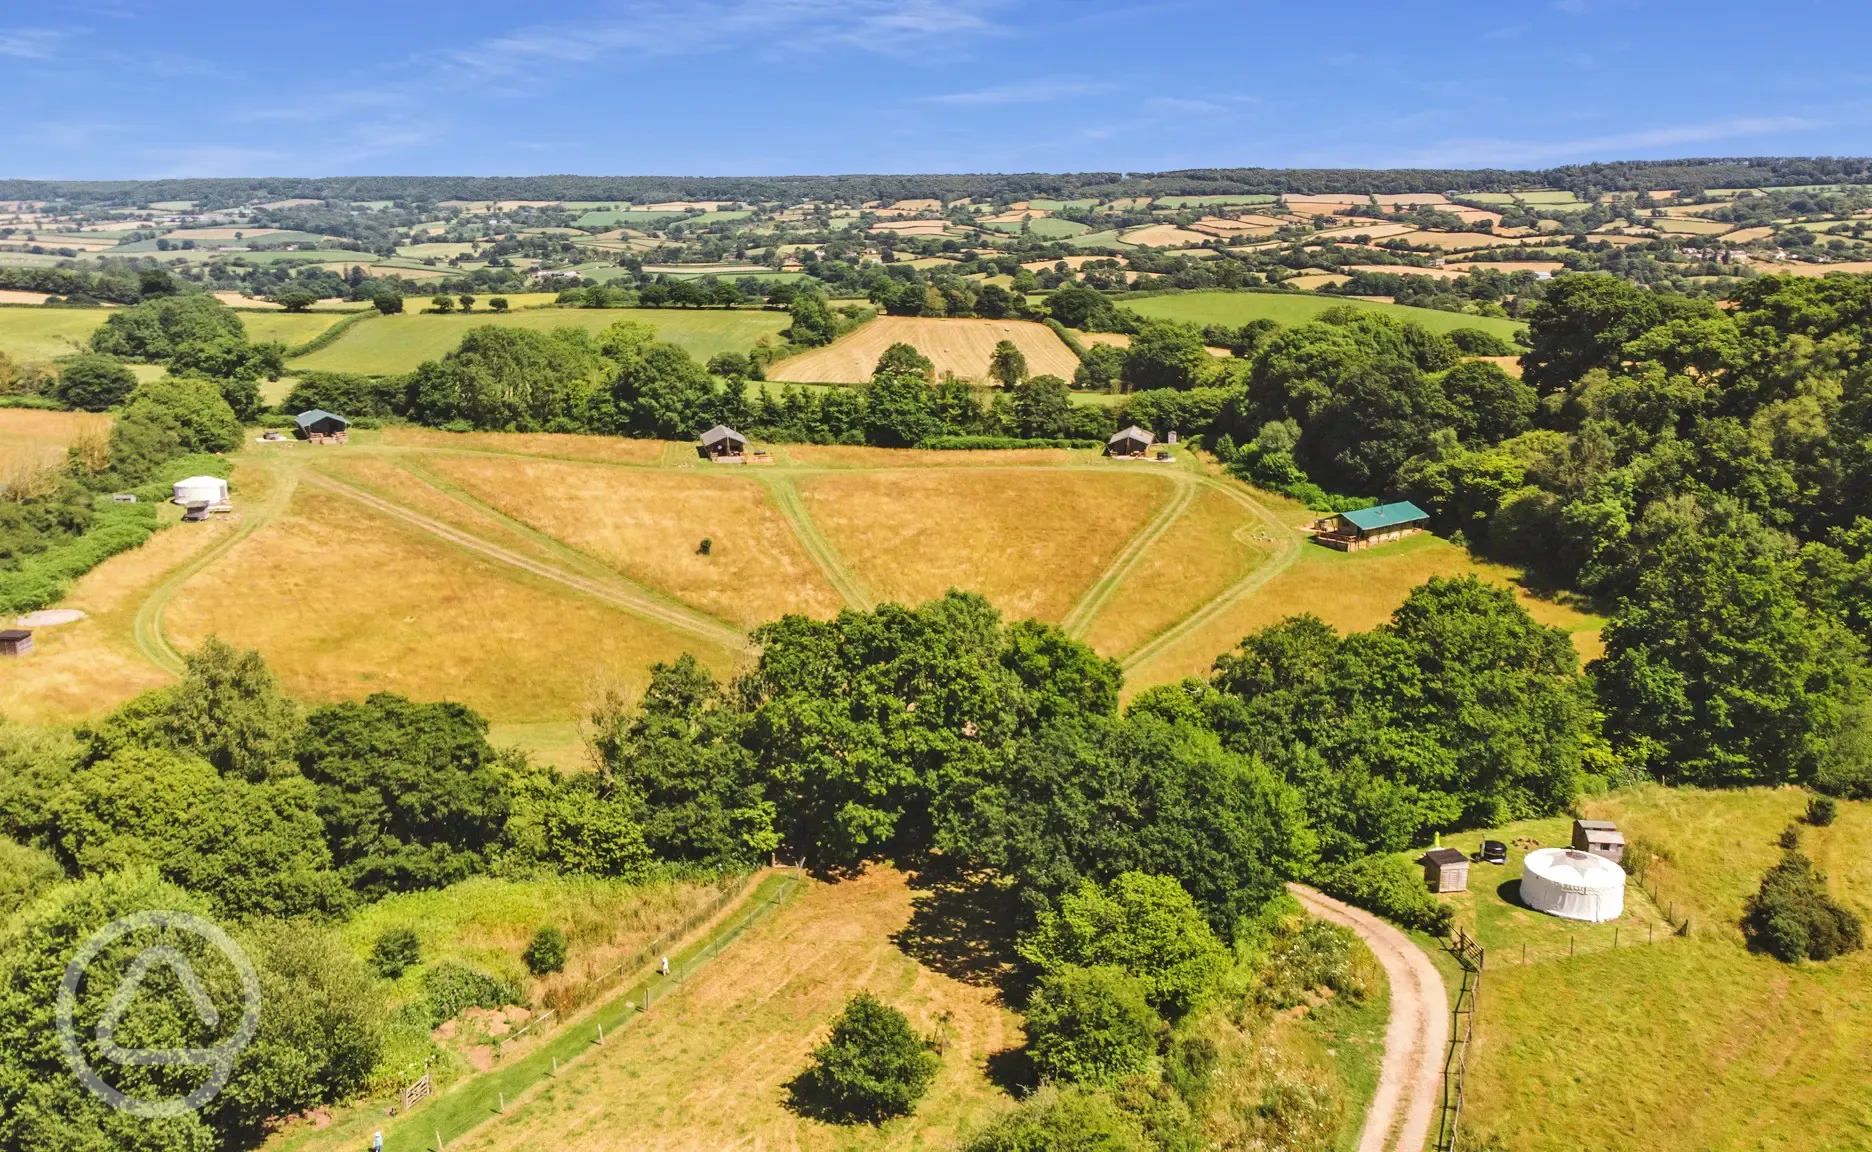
<point x="1493" y="852"/>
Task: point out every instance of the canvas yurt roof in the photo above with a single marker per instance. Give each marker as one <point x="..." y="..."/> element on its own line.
<point x="200" y="489"/>
<point x="1572" y="884"/>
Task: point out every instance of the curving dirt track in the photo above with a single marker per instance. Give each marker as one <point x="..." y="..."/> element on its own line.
<point x="1405" y="1105"/>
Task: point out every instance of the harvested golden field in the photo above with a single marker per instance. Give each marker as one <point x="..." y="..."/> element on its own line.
<point x="1790" y="268"/>
<point x="1455" y="241"/>
<point x="1750" y="235"/>
<point x="1506" y="266"/>
<point x="1114" y="339"/>
<point x="410" y="482"/>
<point x="648" y="524"/>
<point x="959" y="346"/>
<point x="242" y="300"/>
<point x="1030" y="541"/>
<point x="15" y="296"/>
<point x="1164" y="236"/>
<point x="1376" y="231"/>
<point x="1508" y="364"/>
<point x="1308" y="281"/>
<point x="32" y="438"/>
<point x="706" y="1069"/>
<point x="343" y="601"/>
<point x="181" y="234"/>
<point x="1403" y="270"/>
<point x="1352" y="592"/>
<point x="1214" y="543"/>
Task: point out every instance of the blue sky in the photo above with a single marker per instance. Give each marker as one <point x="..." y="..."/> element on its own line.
<point x="121" y="89"/>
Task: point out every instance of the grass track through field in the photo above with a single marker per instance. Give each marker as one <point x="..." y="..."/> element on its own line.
<point x="1080" y="619"/>
<point x="1287" y="549"/>
<point x="146" y="627"/>
<point x="476" y="1101"/>
<point x="620" y="594"/>
<point x="844" y="581"/>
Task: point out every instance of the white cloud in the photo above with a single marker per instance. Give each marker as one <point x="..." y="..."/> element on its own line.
<point x="29" y="43"/>
<point x="1038" y="91"/>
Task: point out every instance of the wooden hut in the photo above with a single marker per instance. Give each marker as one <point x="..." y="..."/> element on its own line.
<point x="1445" y="870"/>
<point x="1600" y="837"/>
<point x="322" y="427"/>
<point x="1131" y="443"/>
<point x="723" y="443"/>
<point x="1366" y="527"/>
<point x="15" y="642"/>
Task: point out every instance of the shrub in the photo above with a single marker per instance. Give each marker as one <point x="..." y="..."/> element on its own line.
<point x="448" y="989"/>
<point x="969" y="443"/>
<point x="93" y="382"/>
<point x="1821" y="811"/>
<point x="547" y="953"/>
<point x="1064" y="1120"/>
<point x="1392" y="887"/>
<point x="1477" y="342"/>
<point x="1790" y="837"/>
<point x="395" y="952"/>
<point x="1091" y="1025"/>
<point x="1792" y="918"/>
<point x="1143" y="924"/>
<point x="871" y="1068"/>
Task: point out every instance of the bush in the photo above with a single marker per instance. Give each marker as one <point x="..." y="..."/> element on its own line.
<point x="1091" y="1025"/>
<point x="1821" y="811"/>
<point x="448" y="989"/>
<point x="1790" y="837"/>
<point x="1064" y="1120"/>
<point x="93" y="382"/>
<point x="1392" y="887"/>
<point x="871" y="1068"/>
<point x="1477" y="342"/>
<point x="1145" y="925"/>
<point x="395" y="952"/>
<point x="1792" y="918"/>
<point x="547" y="953"/>
<point x="969" y="443"/>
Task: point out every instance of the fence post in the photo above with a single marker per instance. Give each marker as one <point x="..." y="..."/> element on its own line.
<point x="1569" y="945"/>
<point x="601" y="1032"/>
<point x="503" y="1103"/>
<point x="1615" y="936"/>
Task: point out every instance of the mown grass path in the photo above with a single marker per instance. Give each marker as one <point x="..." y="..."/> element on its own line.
<point x="839" y="574"/>
<point x="1079" y="620"/>
<point x="1286" y="550"/>
<point x="146" y="628"/>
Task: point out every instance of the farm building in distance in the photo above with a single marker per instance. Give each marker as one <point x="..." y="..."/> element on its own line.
<point x="322" y="427"/>
<point x="1130" y="442"/>
<point x="723" y="443"/>
<point x="1600" y="837"/>
<point x="1445" y="870"/>
<point x="15" y="642"/>
<point x="1365" y="527"/>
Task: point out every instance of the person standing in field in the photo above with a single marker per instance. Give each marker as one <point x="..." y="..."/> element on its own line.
<point x="666" y="965"/>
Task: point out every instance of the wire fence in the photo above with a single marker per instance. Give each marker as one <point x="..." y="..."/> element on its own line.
<point x="1473" y="958"/>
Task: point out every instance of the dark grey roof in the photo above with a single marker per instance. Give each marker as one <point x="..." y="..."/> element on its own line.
<point x="1442" y="856"/>
<point x="307" y="419"/>
<point x="1596" y="825"/>
<point x="722" y="432"/>
<point x="15" y="634"/>
<point x="1131" y="433"/>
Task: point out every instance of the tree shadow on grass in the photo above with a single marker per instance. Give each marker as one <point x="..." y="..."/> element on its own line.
<point x="963" y="925"/>
<point x="1012" y="1070"/>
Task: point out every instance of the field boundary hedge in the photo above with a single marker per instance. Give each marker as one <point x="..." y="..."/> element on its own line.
<point x="974" y="443"/>
<point x="325" y="338"/>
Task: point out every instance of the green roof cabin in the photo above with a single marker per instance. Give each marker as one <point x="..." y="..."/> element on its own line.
<point x="1351" y="531"/>
<point x="322" y="427"/>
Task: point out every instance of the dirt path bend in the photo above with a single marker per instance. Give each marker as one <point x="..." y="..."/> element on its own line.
<point x="1405" y="1106"/>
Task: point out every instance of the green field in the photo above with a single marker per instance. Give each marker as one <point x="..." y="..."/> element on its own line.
<point x="399" y="343"/>
<point x="289" y="328"/>
<point x="1240" y="307"/>
<point x="33" y="333"/>
<point x="620" y="218"/>
<point x="1106" y="239"/>
<point x="1686" y="1044"/>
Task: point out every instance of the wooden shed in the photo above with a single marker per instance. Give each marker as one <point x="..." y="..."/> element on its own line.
<point x="1351" y="531"/>
<point x="723" y="443"/>
<point x="15" y="642"/>
<point x="1131" y="442"/>
<point x="322" y="427"/>
<point x="1445" y="870"/>
<point x="1600" y="837"/>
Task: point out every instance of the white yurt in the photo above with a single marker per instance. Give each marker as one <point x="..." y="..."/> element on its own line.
<point x="201" y="490"/>
<point x="1576" y="885"/>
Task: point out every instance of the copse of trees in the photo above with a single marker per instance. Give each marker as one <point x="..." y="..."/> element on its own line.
<point x="194" y="336"/>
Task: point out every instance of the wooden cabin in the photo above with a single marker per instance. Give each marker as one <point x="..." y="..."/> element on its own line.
<point x="1368" y="527"/>
<point x="322" y="427"/>
<point x="1445" y="870"/>
<point x="1600" y="837"/>
<point x="1129" y="444"/>
<point x="15" y="642"/>
<point x="724" y="443"/>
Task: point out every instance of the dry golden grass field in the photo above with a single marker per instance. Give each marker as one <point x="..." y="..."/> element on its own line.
<point x="706" y="1069"/>
<point x="1031" y="541"/>
<point x="959" y="346"/>
<point x="524" y="574"/>
<point x="31" y="438"/>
